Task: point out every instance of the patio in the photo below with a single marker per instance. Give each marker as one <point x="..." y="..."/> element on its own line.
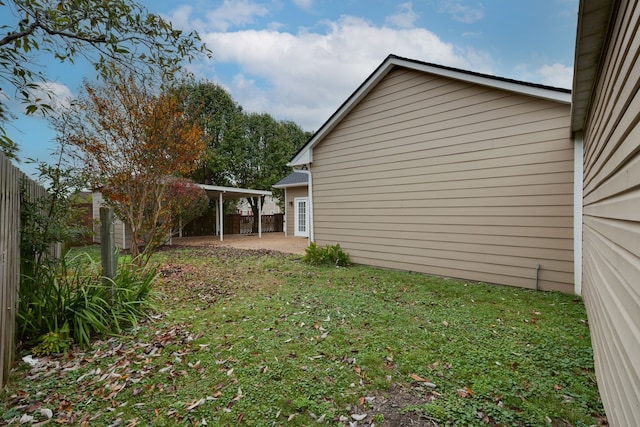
<point x="272" y="241"/>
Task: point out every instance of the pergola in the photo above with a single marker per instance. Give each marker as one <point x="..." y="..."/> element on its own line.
<point x="231" y="193"/>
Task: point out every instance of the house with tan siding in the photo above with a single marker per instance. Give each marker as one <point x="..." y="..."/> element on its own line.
<point x="606" y="125"/>
<point x="447" y="172"/>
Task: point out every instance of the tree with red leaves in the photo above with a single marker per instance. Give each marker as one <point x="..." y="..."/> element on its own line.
<point x="135" y="142"/>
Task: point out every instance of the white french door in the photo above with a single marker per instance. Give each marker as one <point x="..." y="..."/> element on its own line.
<point x="301" y="217"/>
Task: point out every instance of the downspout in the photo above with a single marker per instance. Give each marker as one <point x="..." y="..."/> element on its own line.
<point x="285" y="215"/>
<point x="578" y="171"/>
<point x="311" y="227"/>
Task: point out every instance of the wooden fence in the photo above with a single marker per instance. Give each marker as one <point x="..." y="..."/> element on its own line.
<point x="11" y="181"/>
<point x="233" y="224"/>
<point x="243" y="224"/>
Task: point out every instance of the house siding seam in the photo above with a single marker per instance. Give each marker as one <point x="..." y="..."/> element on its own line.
<point x="611" y="219"/>
<point x="444" y="177"/>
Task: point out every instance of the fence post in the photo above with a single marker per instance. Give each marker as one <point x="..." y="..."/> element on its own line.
<point x="10" y="179"/>
<point x="108" y="248"/>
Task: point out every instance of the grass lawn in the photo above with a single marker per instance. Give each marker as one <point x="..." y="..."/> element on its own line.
<point x="260" y="339"/>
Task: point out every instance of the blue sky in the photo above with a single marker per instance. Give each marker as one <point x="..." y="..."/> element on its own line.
<point x="300" y="59"/>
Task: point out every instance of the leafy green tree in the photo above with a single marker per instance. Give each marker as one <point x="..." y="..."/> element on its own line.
<point x="243" y="149"/>
<point x="259" y="158"/>
<point x="101" y="31"/>
<point x="221" y="119"/>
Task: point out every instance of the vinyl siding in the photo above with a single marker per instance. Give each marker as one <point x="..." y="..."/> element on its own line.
<point x="444" y="177"/>
<point x="292" y="193"/>
<point x="611" y="229"/>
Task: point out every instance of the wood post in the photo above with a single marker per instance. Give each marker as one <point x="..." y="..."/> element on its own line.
<point x="108" y="249"/>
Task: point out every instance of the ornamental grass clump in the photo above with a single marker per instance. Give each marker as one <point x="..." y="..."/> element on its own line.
<point x="69" y="301"/>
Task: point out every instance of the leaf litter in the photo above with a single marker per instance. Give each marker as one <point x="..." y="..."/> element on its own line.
<point x="120" y="373"/>
<point x="128" y="364"/>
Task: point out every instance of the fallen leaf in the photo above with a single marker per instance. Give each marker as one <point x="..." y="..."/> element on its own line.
<point x="465" y="392"/>
<point x="26" y="419"/>
<point x="358" y="417"/>
<point x="418" y="378"/>
<point x="445" y="323"/>
<point x="195" y="404"/>
<point x="116" y="423"/>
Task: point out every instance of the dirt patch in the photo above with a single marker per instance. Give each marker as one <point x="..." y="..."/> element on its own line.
<point x="389" y="408"/>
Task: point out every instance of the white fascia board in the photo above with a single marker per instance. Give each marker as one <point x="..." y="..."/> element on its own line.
<point x="497" y="83"/>
<point x="297" y="184"/>
<point x="305" y="156"/>
<point x="234" y="190"/>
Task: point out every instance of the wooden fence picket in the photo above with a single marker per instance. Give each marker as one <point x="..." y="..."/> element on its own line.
<point x="11" y="179"/>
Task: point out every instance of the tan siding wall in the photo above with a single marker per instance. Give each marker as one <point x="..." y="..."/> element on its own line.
<point x="611" y="230"/>
<point x="439" y="176"/>
<point x="292" y="193"/>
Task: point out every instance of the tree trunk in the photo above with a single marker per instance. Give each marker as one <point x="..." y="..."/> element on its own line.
<point x="253" y="202"/>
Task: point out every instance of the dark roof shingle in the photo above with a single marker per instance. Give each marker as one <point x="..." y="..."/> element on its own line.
<point x="295" y="179"/>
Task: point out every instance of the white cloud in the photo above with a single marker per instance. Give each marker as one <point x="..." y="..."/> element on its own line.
<point x="405" y="17"/>
<point x="305" y="77"/>
<point x="304" y="4"/>
<point x="56" y="95"/>
<point x="180" y="17"/>
<point x="235" y="13"/>
<point x="556" y="75"/>
<point x="460" y="11"/>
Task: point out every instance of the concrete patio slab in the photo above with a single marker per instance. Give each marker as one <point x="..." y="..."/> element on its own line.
<point x="272" y="241"/>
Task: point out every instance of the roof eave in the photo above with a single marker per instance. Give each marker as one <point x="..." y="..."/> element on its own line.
<point x="232" y="192"/>
<point x="592" y="32"/>
<point x="297" y="184"/>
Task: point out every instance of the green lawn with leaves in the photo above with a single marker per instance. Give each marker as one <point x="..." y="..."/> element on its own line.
<point x="258" y="338"/>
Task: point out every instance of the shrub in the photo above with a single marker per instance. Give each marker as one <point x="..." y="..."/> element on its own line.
<point x="328" y="255"/>
<point x="59" y="305"/>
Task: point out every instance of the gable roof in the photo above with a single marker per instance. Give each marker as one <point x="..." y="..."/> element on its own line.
<point x="296" y="179"/>
<point x="305" y="156"/>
